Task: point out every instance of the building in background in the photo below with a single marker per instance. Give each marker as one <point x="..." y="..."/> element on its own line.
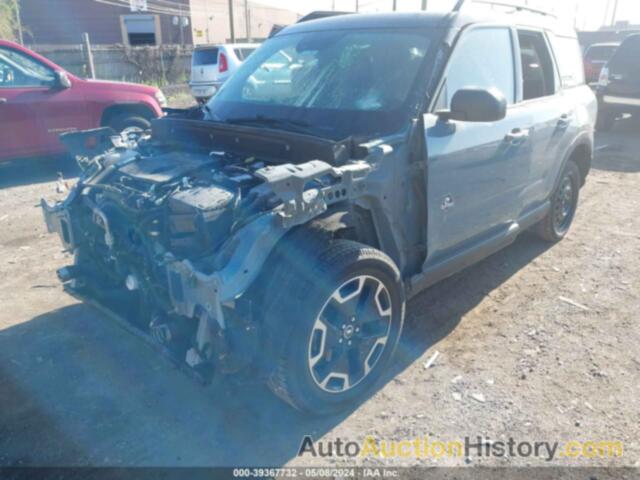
<point x="146" y="22"/>
<point x="210" y="20"/>
<point x="612" y="33"/>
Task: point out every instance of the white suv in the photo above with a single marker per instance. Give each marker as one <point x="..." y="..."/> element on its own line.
<point x="212" y="65"/>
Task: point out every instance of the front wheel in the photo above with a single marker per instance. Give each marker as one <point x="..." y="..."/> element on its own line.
<point x="564" y="203"/>
<point x="128" y="123"/>
<point x="346" y="312"/>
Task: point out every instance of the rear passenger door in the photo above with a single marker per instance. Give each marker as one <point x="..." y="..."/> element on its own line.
<point x="550" y="114"/>
<point x="476" y="171"/>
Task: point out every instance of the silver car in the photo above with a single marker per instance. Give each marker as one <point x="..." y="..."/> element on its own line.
<point x="212" y="65"/>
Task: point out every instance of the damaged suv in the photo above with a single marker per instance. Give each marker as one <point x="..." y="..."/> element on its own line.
<point x="349" y="163"/>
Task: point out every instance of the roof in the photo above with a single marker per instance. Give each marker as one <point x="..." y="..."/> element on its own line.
<point x="605" y="44"/>
<point x="430" y="20"/>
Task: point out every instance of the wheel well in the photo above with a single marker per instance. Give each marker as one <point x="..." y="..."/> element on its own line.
<point x="117" y="110"/>
<point x="348" y="223"/>
<point x="582" y="155"/>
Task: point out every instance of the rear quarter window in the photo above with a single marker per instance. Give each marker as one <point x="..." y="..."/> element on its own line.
<point x="569" y="60"/>
<point x="205" y="56"/>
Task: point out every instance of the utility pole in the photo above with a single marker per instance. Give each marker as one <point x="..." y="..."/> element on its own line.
<point x="615" y="12"/>
<point x="424" y="5"/>
<point x="86" y="42"/>
<point x="180" y="24"/>
<point x="247" y="21"/>
<point x="395" y="5"/>
<point x="231" y="24"/>
<point x="19" y="21"/>
<point x="333" y="6"/>
<point x="357" y="5"/>
<point x="606" y="13"/>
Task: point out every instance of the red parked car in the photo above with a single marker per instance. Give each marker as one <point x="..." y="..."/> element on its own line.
<point x="39" y="100"/>
<point x="596" y="57"/>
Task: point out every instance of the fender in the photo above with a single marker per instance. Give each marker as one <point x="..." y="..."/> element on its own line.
<point x="200" y="295"/>
<point x="584" y="139"/>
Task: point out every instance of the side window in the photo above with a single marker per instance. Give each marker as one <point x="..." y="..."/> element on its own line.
<point x="569" y="60"/>
<point x="626" y="57"/>
<point x="18" y="71"/>
<point x="538" y="75"/>
<point x="483" y="58"/>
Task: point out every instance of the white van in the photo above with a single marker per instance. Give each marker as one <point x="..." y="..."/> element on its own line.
<point x="212" y="65"/>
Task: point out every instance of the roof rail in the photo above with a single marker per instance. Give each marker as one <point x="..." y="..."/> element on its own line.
<point x="458" y="6"/>
<point x="321" y="14"/>
<point x="517" y="8"/>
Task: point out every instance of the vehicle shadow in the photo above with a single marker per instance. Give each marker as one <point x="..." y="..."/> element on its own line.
<point x="76" y="389"/>
<point x="436" y="312"/>
<point x="28" y="171"/>
<point x="617" y="147"/>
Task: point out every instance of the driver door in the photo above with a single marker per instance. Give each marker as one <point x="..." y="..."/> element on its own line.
<point x="18" y="119"/>
<point x="33" y="110"/>
<point x="477" y="172"/>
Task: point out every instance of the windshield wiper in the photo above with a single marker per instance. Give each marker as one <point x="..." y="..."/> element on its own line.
<point x="296" y="126"/>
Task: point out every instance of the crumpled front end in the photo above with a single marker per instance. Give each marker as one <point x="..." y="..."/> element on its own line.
<point x="172" y="240"/>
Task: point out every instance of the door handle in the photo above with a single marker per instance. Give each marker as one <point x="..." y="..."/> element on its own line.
<point x="517" y="136"/>
<point x="3" y="100"/>
<point x="565" y="120"/>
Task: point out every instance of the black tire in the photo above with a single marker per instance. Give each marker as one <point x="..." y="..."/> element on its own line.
<point x="564" y="203"/>
<point x="606" y="120"/>
<point x="303" y="288"/>
<point x="124" y="121"/>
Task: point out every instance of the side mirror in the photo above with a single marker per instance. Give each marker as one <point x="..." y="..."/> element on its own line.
<point x="61" y="79"/>
<point x="476" y="105"/>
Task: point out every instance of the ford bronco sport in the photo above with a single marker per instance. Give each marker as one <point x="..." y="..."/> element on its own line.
<point x="279" y="230"/>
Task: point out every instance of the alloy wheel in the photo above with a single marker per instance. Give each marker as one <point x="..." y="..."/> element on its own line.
<point x="350" y="334"/>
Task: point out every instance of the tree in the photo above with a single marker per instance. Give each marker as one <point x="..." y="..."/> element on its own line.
<point x="9" y="19"/>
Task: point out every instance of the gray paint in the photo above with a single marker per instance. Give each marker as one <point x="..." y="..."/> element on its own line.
<point x="435" y="211"/>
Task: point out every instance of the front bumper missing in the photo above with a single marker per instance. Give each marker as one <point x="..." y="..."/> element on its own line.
<point x="123" y="323"/>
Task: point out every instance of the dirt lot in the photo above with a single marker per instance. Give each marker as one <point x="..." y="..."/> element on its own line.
<point x="515" y="359"/>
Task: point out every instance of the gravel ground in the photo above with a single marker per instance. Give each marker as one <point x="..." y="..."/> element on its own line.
<point x="537" y="343"/>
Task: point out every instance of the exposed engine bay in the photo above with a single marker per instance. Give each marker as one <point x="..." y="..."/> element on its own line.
<point x="170" y="234"/>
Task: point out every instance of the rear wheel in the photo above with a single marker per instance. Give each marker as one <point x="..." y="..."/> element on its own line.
<point x="564" y="203"/>
<point x="346" y="314"/>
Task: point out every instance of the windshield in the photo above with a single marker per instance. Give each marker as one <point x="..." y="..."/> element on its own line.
<point x="337" y="83"/>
